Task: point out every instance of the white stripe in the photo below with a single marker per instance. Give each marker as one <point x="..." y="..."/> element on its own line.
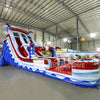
<point x="84" y="71"/>
<point x="94" y="60"/>
<point x="86" y="78"/>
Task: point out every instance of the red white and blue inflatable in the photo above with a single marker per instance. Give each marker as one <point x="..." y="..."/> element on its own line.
<point x="21" y="51"/>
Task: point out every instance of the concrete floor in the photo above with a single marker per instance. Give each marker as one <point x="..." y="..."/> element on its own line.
<point x="16" y="84"/>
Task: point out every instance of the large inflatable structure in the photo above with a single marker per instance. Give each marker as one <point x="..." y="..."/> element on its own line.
<point x="21" y="51"/>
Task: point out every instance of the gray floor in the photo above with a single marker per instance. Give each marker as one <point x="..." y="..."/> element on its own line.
<point x="16" y="84"/>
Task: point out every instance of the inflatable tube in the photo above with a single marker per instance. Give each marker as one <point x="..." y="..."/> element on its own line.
<point x="16" y="52"/>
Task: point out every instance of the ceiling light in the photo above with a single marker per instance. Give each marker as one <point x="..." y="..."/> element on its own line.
<point x="65" y="39"/>
<point x="49" y="42"/>
<point x="69" y="41"/>
<point x="1" y="45"/>
<point x="92" y="35"/>
<point x="98" y="49"/>
<point x="6" y="9"/>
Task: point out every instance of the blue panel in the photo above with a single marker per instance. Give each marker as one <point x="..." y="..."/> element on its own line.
<point x="6" y="58"/>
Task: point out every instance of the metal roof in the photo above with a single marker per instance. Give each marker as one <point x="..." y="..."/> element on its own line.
<point x="46" y="14"/>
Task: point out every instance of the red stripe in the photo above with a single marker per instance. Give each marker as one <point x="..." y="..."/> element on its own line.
<point x="66" y="69"/>
<point x="86" y="65"/>
<point x="21" y="49"/>
<point x="19" y="30"/>
<point x="23" y="59"/>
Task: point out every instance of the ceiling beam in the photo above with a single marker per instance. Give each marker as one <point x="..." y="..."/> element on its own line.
<point x="19" y="9"/>
<point x="73" y="16"/>
<point x="59" y="22"/>
<point x="72" y="12"/>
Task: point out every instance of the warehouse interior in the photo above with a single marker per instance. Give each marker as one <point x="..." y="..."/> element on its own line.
<point x="50" y="21"/>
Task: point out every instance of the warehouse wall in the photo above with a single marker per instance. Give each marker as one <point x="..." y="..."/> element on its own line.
<point x="2" y="33"/>
<point x="87" y="45"/>
<point x="37" y="36"/>
<point x="74" y="45"/>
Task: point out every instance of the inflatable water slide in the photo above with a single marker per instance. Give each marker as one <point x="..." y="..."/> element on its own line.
<point x="20" y="50"/>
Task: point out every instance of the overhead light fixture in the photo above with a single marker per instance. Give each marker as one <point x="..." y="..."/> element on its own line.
<point x="98" y="49"/>
<point x="1" y="45"/>
<point x="93" y="35"/>
<point x="69" y="41"/>
<point x="65" y="39"/>
<point x="49" y="42"/>
<point x="6" y="9"/>
<point x="5" y="32"/>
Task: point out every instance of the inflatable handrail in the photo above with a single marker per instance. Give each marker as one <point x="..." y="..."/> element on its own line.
<point x="25" y="45"/>
<point x="19" y="30"/>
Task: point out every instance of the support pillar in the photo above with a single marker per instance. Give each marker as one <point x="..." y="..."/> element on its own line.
<point x="35" y="36"/>
<point x="56" y="35"/>
<point x="71" y="45"/>
<point x="77" y="34"/>
<point x="80" y="46"/>
<point x="49" y="37"/>
<point x="67" y="45"/>
<point x="94" y="49"/>
<point x="43" y="38"/>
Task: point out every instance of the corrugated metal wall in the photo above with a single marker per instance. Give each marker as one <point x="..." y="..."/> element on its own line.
<point x="87" y="45"/>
